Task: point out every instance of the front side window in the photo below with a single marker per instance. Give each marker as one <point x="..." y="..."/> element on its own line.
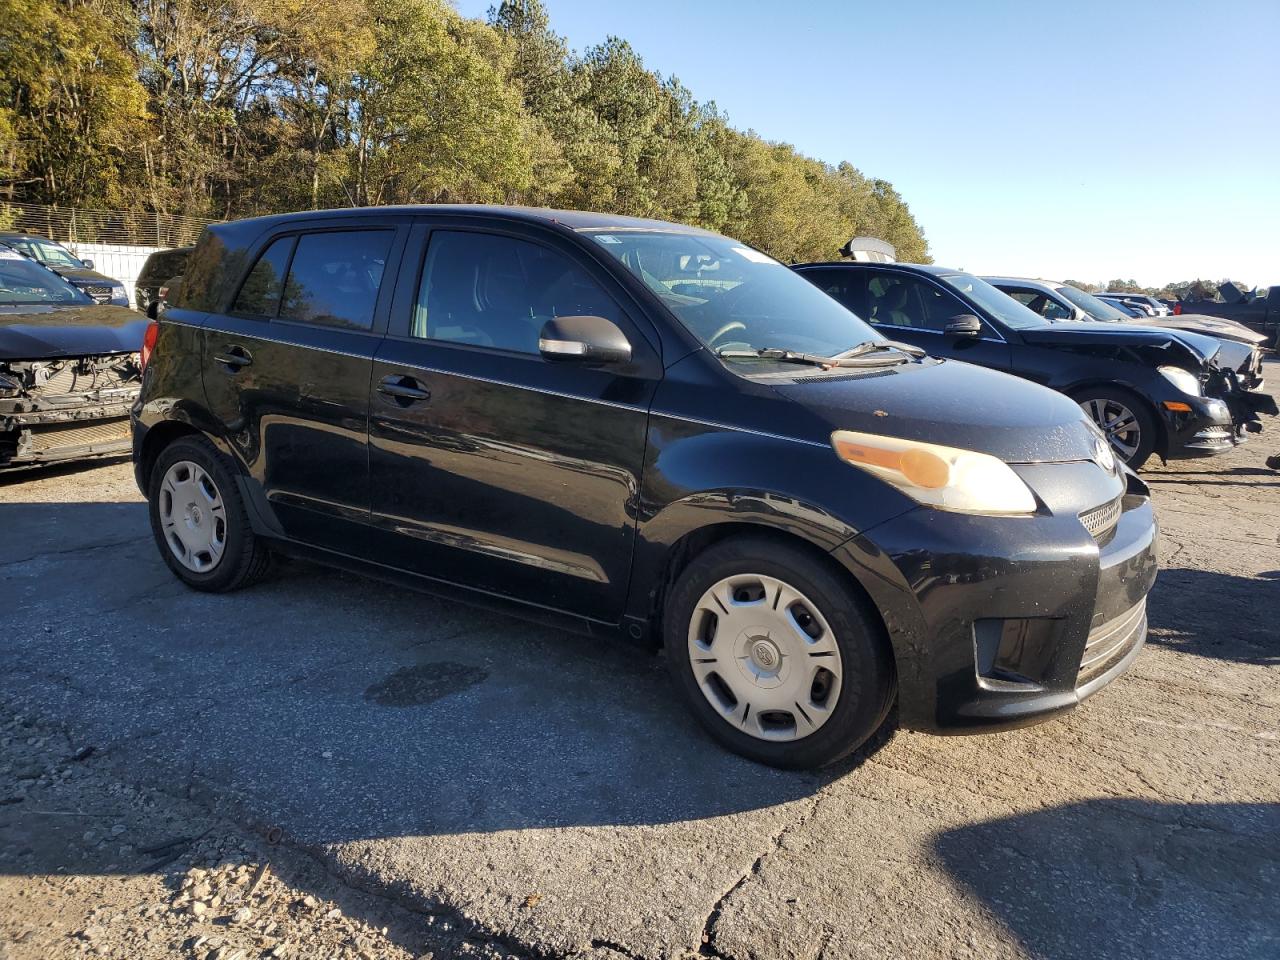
<point x="24" y="282"/>
<point x="730" y="296"/>
<point x="487" y="290"/>
<point x="901" y="300"/>
<point x="334" y="278"/>
<point x="1039" y="303"/>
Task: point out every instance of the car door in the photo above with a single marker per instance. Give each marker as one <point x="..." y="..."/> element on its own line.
<point x="286" y="370"/>
<point x="916" y="309"/>
<point x="492" y="467"/>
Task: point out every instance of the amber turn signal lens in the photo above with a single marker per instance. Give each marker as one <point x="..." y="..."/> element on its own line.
<point x="1177" y="406"/>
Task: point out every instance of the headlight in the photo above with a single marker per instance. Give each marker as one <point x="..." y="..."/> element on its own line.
<point x="1184" y="380"/>
<point x="943" y="477"/>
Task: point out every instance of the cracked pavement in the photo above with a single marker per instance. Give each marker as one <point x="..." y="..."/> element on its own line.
<point x="548" y="792"/>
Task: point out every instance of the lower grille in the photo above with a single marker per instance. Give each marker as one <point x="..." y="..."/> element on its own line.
<point x="1109" y="642"/>
<point x="1101" y="520"/>
<point x="46" y="439"/>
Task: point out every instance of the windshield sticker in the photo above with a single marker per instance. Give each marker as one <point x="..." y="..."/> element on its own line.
<point x="755" y="256"/>
<point x="606" y="238"/>
<point x="10" y="255"/>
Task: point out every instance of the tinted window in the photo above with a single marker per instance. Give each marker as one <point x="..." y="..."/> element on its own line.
<point x="846" y="287"/>
<point x="901" y="300"/>
<point x="1008" y="310"/>
<point x="492" y="291"/>
<point x="334" y="278"/>
<point x="260" y="295"/>
<point x="1038" y="303"/>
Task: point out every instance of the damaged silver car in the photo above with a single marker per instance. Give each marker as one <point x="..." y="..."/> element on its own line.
<point x="69" y="369"/>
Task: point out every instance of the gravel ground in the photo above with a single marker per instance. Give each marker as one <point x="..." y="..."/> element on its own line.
<point x="334" y="767"/>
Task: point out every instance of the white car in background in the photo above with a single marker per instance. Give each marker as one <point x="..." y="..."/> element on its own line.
<point x="1057" y="301"/>
<point x="1157" y="308"/>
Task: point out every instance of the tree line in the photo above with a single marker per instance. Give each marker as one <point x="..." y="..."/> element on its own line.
<point x="1178" y="290"/>
<point x="230" y="108"/>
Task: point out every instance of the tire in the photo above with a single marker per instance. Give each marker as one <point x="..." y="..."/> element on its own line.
<point x="721" y="662"/>
<point x="1105" y="402"/>
<point x="235" y="556"/>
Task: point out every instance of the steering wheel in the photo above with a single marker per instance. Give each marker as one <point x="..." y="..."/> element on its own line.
<point x="727" y="328"/>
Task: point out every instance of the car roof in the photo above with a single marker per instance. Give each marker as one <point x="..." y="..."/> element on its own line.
<point x="929" y="268"/>
<point x="15" y="235"/>
<point x="1052" y="284"/>
<point x="577" y="220"/>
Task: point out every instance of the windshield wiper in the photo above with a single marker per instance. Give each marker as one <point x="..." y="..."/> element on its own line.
<point x="859" y="356"/>
<point x="875" y="346"/>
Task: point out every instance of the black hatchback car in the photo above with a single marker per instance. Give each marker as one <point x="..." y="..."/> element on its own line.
<point x="1150" y="390"/>
<point x="645" y="430"/>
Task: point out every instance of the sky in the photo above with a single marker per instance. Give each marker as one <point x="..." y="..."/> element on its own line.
<point x="1086" y="140"/>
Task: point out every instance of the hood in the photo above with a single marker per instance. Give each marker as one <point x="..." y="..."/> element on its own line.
<point x="1206" y="325"/>
<point x="80" y="275"/>
<point x="46" y="332"/>
<point x="1176" y="346"/>
<point x="951" y="403"/>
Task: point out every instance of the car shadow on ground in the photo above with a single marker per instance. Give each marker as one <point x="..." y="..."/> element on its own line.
<point x="1128" y="878"/>
<point x="342" y="708"/>
<point x="1216" y="615"/>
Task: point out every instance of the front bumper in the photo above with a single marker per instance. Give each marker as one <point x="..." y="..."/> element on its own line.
<point x="1001" y="622"/>
<point x="1206" y="429"/>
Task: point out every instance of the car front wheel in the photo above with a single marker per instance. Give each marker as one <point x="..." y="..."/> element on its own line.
<point x="1125" y="419"/>
<point x="777" y="656"/>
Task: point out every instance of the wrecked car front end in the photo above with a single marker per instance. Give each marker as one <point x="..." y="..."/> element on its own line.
<point x="66" y="409"/>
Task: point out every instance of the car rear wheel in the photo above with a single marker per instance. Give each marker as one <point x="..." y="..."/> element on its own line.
<point x="776" y="655"/>
<point x="1125" y="419"/>
<point x="199" y="520"/>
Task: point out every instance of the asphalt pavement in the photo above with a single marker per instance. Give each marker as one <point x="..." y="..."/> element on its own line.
<point x="550" y="791"/>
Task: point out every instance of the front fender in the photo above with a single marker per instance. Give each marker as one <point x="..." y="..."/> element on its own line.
<point x="700" y="475"/>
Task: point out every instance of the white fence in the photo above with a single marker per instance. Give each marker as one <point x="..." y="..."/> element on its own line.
<point x="119" y="261"/>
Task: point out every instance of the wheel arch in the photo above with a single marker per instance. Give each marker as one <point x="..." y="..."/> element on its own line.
<point x="1162" y="431"/>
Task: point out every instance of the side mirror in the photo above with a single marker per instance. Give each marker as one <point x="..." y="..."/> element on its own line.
<point x="584" y="339"/>
<point x="88" y="264"/>
<point x="965" y="325"/>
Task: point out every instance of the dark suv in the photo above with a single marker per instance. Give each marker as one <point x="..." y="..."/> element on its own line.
<point x="647" y="430"/>
<point x="1151" y="390"/>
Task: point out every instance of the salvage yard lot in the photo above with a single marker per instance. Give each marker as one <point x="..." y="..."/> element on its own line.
<point x="547" y="795"/>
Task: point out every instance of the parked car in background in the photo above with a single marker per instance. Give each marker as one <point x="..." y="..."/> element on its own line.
<point x="1157" y="307"/>
<point x="642" y="429"/>
<point x="155" y="274"/>
<point x="1241" y="347"/>
<point x="1149" y="391"/>
<point x="56" y="257"/>
<point x="69" y="368"/>
<point x="1128" y="309"/>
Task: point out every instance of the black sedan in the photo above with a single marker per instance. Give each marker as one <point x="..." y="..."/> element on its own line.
<point x="1151" y="390"/>
<point x="69" y="368"/>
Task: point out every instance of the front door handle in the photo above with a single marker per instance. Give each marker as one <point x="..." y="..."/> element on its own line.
<point x="403" y="390"/>
<point x="233" y="358"/>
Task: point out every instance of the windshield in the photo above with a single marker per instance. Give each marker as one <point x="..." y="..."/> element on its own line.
<point x="1090" y="304"/>
<point x="24" y="282"/>
<point x="997" y="303"/>
<point x="46" y="251"/>
<point x="732" y="297"/>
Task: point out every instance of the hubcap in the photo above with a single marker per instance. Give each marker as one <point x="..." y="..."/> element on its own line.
<point x="765" y="657"/>
<point x="192" y="516"/>
<point x="1118" y="423"/>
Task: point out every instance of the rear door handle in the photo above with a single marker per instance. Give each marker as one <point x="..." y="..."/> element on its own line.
<point x="402" y="389"/>
<point x="233" y="358"/>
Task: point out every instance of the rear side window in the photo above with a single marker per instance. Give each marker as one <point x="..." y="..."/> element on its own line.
<point x="493" y="291"/>
<point x="260" y="295"/>
<point x="334" y="278"/>
<point x="847" y="287"/>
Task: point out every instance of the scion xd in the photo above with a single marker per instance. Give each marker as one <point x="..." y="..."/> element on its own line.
<point x="644" y="429"/>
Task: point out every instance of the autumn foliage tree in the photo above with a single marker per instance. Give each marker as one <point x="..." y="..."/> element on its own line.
<point x="227" y="108"/>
